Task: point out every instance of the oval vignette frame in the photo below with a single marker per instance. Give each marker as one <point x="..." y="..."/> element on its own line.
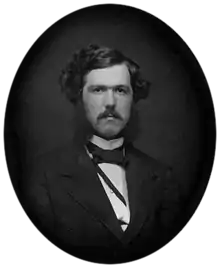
<point x="201" y="95"/>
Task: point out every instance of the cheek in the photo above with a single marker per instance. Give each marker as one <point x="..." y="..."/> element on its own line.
<point x="92" y="107"/>
<point x="124" y="108"/>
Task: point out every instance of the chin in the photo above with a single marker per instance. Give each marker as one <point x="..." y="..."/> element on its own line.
<point x="108" y="134"/>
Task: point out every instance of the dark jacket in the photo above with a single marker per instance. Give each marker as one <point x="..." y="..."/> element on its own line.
<point x="64" y="198"/>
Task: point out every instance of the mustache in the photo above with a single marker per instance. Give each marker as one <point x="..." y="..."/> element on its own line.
<point x="108" y="113"/>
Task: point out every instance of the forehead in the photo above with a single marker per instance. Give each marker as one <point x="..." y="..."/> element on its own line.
<point x="110" y="76"/>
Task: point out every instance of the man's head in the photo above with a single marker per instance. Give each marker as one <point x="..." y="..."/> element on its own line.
<point x="106" y="84"/>
<point x="107" y="98"/>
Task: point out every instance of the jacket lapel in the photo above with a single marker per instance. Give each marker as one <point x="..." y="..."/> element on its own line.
<point x="81" y="183"/>
<point x="142" y="192"/>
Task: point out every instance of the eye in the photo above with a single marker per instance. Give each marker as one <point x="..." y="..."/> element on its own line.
<point x="98" y="89"/>
<point x="121" y="90"/>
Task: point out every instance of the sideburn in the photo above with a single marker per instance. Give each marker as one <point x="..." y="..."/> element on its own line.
<point x="83" y="130"/>
<point x="131" y="130"/>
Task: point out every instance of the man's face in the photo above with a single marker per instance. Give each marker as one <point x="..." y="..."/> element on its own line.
<point x="107" y="97"/>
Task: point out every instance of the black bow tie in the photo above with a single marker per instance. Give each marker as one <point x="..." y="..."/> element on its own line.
<point x="100" y="155"/>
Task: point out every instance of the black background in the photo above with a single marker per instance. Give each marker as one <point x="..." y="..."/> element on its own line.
<point x="17" y="22"/>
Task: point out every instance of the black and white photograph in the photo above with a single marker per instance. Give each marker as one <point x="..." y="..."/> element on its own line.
<point x="109" y="134"/>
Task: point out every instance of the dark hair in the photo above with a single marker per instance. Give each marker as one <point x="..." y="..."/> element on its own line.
<point x="93" y="57"/>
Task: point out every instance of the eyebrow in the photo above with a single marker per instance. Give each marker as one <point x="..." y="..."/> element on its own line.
<point x="104" y="86"/>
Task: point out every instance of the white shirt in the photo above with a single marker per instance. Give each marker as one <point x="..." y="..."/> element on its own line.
<point x="116" y="174"/>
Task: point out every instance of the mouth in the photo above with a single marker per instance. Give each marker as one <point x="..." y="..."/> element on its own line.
<point x="109" y="118"/>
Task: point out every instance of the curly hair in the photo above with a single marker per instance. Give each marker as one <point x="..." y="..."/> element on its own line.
<point x="93" y="57"/>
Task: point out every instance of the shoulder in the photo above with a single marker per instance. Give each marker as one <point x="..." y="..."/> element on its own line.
<point x="35" y="174"/>
<point x="51" y="159"/>
<point x="156" y="166"/>
<point x="160" y="173"/>
<point x="54" y="154"/>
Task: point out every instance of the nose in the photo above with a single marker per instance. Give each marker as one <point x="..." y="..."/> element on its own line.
<point x="110" y="98"/>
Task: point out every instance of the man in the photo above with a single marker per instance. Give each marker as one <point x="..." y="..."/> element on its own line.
<point x="100" y="198"/>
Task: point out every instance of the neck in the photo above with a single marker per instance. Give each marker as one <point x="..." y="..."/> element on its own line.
<point x="107" y="144"/>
